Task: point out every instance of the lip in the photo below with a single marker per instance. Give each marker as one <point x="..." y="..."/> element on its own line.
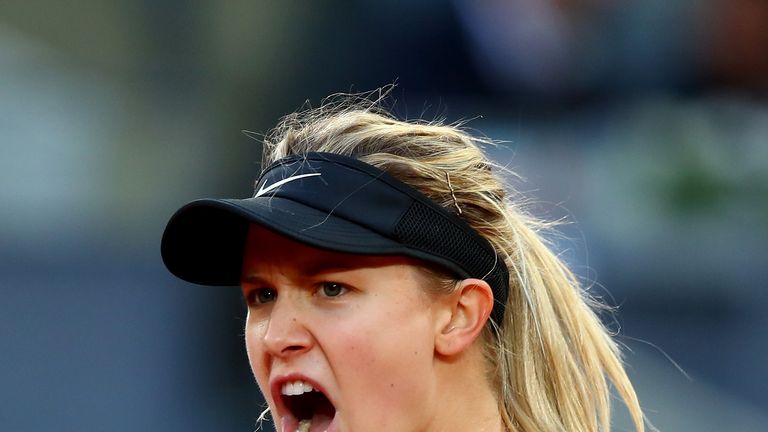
<point x="275" y="387"/>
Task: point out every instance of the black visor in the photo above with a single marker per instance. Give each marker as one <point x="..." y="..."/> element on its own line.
<point x="331" y="202"/>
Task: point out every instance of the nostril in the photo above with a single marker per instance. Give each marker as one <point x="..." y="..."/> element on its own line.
<point x="285" y="346"/>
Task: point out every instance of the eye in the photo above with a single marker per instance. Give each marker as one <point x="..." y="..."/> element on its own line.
<point x="332" y="289"/>
<point x="261" y="296"/>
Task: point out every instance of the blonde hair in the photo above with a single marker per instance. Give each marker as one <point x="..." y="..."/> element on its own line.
<point x="551" y="359"/>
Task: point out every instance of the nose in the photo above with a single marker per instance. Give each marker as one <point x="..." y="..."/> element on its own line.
<point x="286" y="334"/>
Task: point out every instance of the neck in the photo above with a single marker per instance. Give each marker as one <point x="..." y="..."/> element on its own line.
<point x="466" y="400"/>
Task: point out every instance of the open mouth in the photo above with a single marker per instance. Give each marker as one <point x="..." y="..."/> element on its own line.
<point x="310" y="410"/>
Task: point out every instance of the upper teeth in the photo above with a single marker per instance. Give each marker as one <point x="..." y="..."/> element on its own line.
<point x="296" y="388"/>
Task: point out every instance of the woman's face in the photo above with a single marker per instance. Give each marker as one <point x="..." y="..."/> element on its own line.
<point x="344" y="340"/>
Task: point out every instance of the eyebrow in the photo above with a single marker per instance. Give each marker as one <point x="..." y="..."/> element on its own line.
<point x="313" y="269"/>
<point x="252" y="278"/>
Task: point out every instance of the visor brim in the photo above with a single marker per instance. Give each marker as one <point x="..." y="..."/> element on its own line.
<point x="204" y="241"/>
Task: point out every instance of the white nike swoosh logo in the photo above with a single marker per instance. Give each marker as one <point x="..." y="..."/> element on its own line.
<point x="263" y="190"/>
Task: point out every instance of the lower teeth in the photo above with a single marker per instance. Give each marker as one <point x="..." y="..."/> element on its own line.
<point x="304" y="426"/>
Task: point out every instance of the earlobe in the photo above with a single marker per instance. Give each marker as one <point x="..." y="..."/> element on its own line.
<point x="471" y="305"/>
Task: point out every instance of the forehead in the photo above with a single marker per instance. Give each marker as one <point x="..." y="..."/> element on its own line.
<point x="265" y="248"/>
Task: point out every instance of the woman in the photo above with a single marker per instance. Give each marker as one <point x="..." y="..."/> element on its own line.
<point x="393" y="284"/>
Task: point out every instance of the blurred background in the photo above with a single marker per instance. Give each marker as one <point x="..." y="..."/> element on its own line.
<point x="643" y="123"/>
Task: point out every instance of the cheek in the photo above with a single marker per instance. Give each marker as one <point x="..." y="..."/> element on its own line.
<point x="254" y="335"/>
<point x="383" y="364"/>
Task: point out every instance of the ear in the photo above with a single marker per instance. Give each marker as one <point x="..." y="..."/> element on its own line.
<point x="471" y="304"/>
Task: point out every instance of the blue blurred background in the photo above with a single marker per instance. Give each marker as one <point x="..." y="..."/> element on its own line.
<point x="643" y="123"/>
